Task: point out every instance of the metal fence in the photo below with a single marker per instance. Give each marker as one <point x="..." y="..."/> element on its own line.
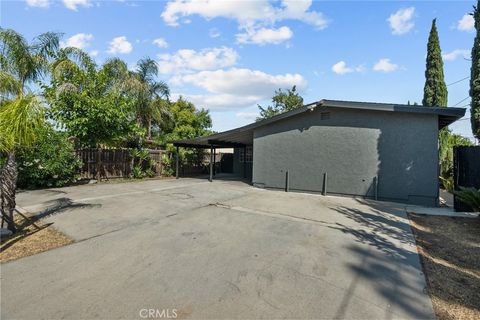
<point x="113" y="163"/>
<point x="466" y="171"/>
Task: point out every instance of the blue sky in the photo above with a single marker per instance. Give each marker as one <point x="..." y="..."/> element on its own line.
<point x="227" y="56"/>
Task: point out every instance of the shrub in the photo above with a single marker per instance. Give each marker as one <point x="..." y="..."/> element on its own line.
<point x="470" y="197"/>
<point x="447" y="183"/>
<point x="51" y="162"/>
<point x="167" y="166"/>
<point x="137" y="172"/>
<point x="142" y="165"/>
<point x="447" y="141"/>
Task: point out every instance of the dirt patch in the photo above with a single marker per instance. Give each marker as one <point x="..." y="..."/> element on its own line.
<point x="33" y="236"/>
<point x="450" y="252"/>
<point x="126" y="180"/>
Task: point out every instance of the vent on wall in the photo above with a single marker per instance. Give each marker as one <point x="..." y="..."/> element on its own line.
<point x="324" y="115"/>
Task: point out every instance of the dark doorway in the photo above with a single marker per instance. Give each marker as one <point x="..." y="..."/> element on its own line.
<point x="226" y="163"/>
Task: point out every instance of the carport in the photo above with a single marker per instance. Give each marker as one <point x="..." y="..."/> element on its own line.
<point x="238" y="138"/>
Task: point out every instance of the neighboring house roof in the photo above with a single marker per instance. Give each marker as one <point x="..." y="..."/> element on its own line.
<point x="242" y="136"/>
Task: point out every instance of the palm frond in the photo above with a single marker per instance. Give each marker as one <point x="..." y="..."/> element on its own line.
<point x="20" y="121"/>
<point x="23" y="61"/>
<point x="159" y="110"/>
<point x="115" y="68"/>
<point x="161" y="89"/>
<point x="84" y="61"/>
<point x="16" y="57"/>
<point x="469" y="196"/>
<point x="9" y="85"/>
<point x="147" y="69"/>
<point x="47" y="44"/>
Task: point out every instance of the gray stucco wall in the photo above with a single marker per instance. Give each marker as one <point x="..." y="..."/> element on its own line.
<point x="353" y="147"/>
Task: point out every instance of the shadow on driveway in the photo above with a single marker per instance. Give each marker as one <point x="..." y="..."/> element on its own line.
<point x="396" y="275"/>
<point x="61" y="205"/>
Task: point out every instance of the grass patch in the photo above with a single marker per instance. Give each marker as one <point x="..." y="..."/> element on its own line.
<point x="33" y="236"/>
<point x="449" y="248"/>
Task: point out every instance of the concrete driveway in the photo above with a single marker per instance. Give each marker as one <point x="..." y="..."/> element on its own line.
<point x="217" y="250"/>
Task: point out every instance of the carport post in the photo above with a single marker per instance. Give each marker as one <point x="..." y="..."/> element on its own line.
<point x="214" y="161"/>
<point x="176" y="164"/>
<point x="211" y="164"/>
<point x="245" y="161"/>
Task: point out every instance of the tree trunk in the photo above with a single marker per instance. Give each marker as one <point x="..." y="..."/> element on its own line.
<point x="8" y="186"/>
<point x="149" y="129"/>
<point x="2" y="201"/>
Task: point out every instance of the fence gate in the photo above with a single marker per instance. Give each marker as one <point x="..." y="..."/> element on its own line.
<point x="466" y="172"/>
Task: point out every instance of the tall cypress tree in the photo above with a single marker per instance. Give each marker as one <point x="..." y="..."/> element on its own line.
<point x="475" y="77"/>
<point x="435" y="91"/>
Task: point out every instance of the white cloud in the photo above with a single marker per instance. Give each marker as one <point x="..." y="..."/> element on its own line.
<point x="38" y="3"/>
<point x="247" y="115"/>
<point x="467" y="23"/>
<point x="120" y="45"/>
<point x="401" y="21"/>
<point x="241" y="82"/>
<point x="235" y="88"/>
<point x="245" y="12"/>
<point x="299" y="10"/>
<point x="265" y="35"/>
<point x="79" y="40"/>
<point x="219" y="102"/>
<point x="94" y="53"/>
<point x="160" y="42"/>
<point x="187" y="60"/>
<point x="457" y="53"/>
<point x="342" y="68"/>
<point x="214" y="33"/>
<point x="74" y="4"/>
<point x="384" y="65"/>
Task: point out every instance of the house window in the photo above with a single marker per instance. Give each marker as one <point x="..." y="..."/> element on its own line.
<point x="249" y="154"/>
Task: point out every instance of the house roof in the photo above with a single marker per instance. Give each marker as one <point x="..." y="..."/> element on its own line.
<point x="242" y="136"/>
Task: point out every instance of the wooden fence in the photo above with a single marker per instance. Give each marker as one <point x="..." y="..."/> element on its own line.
<point x="113" y="163"/>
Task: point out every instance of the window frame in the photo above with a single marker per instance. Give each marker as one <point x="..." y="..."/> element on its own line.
<point x="248" y="153"/>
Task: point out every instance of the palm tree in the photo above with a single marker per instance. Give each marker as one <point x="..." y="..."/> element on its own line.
<point x="152" y="103"/>
<point x="21" y="112"/>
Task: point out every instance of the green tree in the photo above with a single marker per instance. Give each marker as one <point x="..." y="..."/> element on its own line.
<point x="475" y="76"/>
<point x="152" y="96"/>
<point x="187" y="122"/>
<point x="435" y="91"/>
<point x="282" y="102"/>
<point x="21" y="112"/>
<point x="91" y="103"/>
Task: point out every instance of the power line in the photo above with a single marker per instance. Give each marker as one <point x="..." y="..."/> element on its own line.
<point x="456" y="104"/>
<point x="458" y="81"/>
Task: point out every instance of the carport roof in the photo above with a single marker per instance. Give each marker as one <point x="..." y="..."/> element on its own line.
<point x="243" y="136"/>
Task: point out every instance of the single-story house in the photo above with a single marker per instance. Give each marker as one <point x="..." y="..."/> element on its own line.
<point x="375" y="150"/>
